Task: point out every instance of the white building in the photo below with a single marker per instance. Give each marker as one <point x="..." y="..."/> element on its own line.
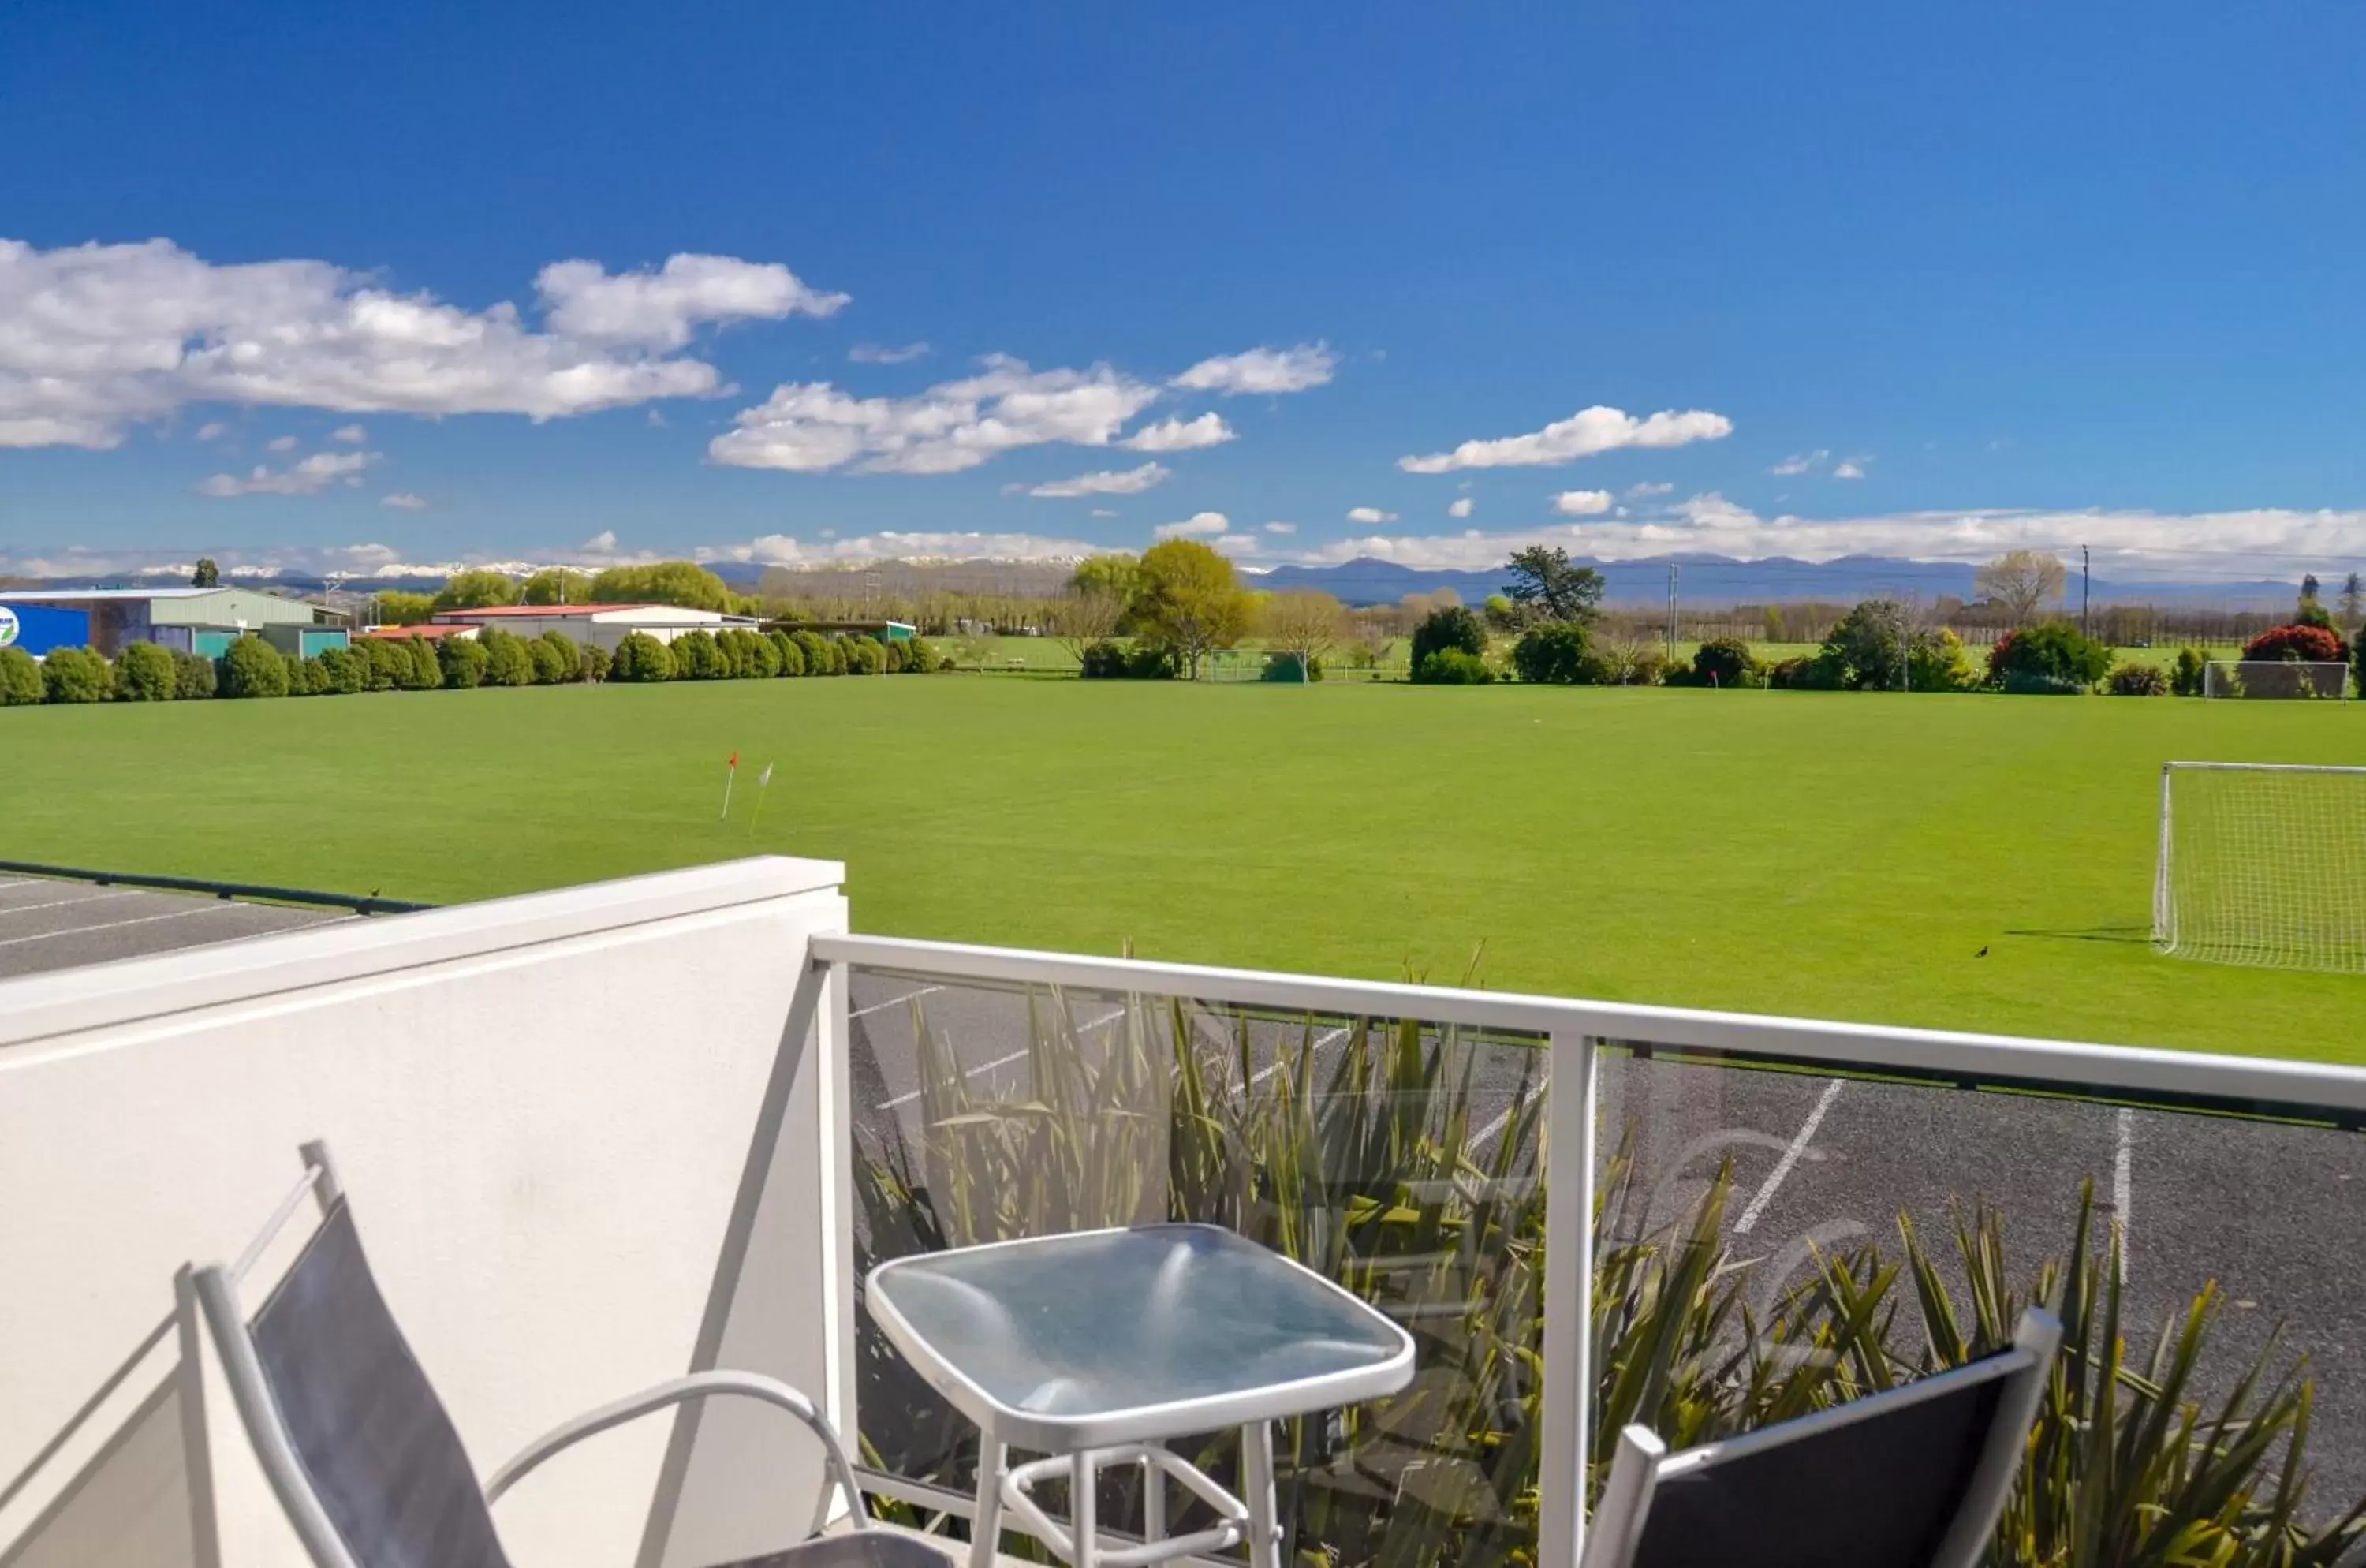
<point x="605" y="625"/>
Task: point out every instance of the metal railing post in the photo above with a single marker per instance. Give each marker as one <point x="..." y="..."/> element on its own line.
<point x="1568" y="1300"/>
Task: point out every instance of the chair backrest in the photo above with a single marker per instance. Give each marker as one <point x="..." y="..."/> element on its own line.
<point x="348" y="1429"/>
<point x="1908" y="1479"/>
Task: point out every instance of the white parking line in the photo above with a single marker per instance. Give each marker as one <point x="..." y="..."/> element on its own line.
<point x="883" y="1007"/>
<point x="1000" y="1061"/>
<point x="62" y="903"/>
<point x="1485" y="1136"/>
<point x="1790" y="1158"/>
<point x="2123" y="1183"/>
<point x="1320" y="1042"/>
<point x="116" y="925"/>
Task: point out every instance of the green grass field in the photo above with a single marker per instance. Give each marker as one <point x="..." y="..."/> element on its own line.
<point x="1839" y="856"/>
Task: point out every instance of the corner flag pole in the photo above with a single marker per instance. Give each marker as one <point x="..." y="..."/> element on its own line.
<point x="763" y="792"/>
<point x="728" y="780"/>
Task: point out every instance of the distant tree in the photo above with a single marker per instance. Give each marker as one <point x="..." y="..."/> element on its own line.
<point x="253" y="668"/>
<point x="393" y="608"/>
<point x="1551" y="653"/>
<point x="697" y="657"/>
<point x="144" y="673"/>
<point x="463" y="660"/>
<point x="1117" y="574"/>
<point x="556" y="585"/>
<point x="2057" y="651"/>
<point x="1725" y="663"/>
<point x="426" y="664"/>
<point x="681" y="583"/>
<point x="2295" y="644"/>
<point x="1880" y="644"/>
<point x="1304" y="623"/>
<point x="1085" y="615"/>
<point x="1545" y="585"/>
<point x="2353" y="601"/>
<point x="2310" y="589"/>
<point x="557" y="659"/>
<point x="1502" y="614"/>
<point x="76" y="675"/>
<point x="1416" y="607"/>
<point x="342" y="669"/>
<point x="476" y="591"/>
<point x="591" y="663"/>
<point x="1448" y="625"/>
<point x="193" y="678"/>
<point x="1191" y="601"/>
<point x="2024" y="583"/>
<point x="508" y="661"/>
<point x="641" y="657"/>
<point x="20" y="679"/>
<point x="208" y="574"/>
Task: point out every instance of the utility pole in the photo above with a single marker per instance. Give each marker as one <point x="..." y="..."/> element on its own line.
<point x="2086" y="583"/>
<point x="1671" y="612"/>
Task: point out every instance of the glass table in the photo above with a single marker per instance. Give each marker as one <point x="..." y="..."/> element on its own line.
<point x="1100" y="1347"/>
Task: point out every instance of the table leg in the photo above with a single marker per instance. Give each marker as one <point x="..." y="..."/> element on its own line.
<point x="1256" y="1478"/>
<point x="1083" y="1489"/>
<point x="1154" y="1500"/>
<point x="985" y="1531"/>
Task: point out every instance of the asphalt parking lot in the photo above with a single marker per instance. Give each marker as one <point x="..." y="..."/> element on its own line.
<point x="47" y="924"/>
<point x="2272" y="1213"/>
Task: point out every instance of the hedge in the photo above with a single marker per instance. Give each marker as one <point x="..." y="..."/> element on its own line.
<point x="252" y="668"/>
<point x="144" y="673"/>
<point x="20" y="679"/>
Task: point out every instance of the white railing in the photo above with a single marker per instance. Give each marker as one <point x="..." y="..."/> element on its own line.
<point x="1578" y="1033"/>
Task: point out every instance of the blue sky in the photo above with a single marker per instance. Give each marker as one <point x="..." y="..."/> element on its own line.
<point x="1976" y="277"/>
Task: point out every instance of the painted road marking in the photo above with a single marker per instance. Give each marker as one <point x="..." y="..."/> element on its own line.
<point x="1087" y="1025"/>
<point x="116" y="925"/>
<point x="62" y="903"/>
<point x="1332" y="1038"/>
<point x="1790" y="1158"/>
<point x="883" y="1007"/>
<point x="2123" y="1183"/>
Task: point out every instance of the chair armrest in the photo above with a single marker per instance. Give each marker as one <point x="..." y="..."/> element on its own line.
<point x="680" y="1391"/>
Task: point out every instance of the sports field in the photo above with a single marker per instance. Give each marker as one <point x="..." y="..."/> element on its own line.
<point x="1839" y="856"/>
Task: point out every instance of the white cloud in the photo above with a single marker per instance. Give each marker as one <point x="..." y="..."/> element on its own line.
<point x="1237" y="545"/>
<point x="281" y="443"/>
<point x="1103" y="512"/>
<point x="811" y="427"/>
<point x="1800" y="463"/>
<point x="602" y="543"/>
<point x="102" y="337"/>
<point x="309" y="476"/>
<point x="1370" y="514"/>
<point x="404" y="500"/>
<point x="332" y="563"/>
<point x="1281" y="527"/>
<point x="1583" y="434"/>
<point x="1852" y="467"/>
<point x="661" y="309"/>
<point x="212" y="430"/>
<point x="780" y="549"/>
<point x="1582" y="502"/>
<point x="1262" y="370"/>
<point x="872" y="353"/>
<point x="1463" y="508"/>
<point x="1645" y="490"/>
<point x="350" y="434"/>
<point x="1108" y="481"/>
<point x="1198" y="525"/>
<point x="1181" y="434"/>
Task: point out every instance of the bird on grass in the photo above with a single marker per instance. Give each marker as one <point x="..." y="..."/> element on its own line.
<point x="1983" y="952"/>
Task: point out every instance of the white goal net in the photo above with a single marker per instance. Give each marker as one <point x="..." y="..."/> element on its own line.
<point x="2274" y="678"/>
<point x="2262" y="864"/>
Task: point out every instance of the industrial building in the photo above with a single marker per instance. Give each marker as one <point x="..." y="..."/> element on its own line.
<point x="602" y="624"/>
<point x="189" y="620"/>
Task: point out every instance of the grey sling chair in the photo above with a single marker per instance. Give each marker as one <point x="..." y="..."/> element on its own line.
<point x="1912" y="1478"/>
<point x="363" y="1457"/>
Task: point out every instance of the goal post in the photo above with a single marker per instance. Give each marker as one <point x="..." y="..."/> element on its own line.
<point x="2274" y="678"/>
<point x="2262" y="864"/>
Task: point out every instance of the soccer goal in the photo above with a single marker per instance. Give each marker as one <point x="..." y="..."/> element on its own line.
<point x="2274" y="678"/>
<point x="2262" y="864"/>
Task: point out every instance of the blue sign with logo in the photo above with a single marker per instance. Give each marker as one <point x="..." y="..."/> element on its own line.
<point x="39" y="628"/>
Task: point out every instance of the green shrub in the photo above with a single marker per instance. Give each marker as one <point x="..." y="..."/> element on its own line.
<point x="426" y="664"/>
<point x="865" y="656"/>
<point x="306" y="677"/>
<point x="342" y="668"/>
<point x="20" y="679"/>
<point x="464" y="660"/>
<point x="1803" y="673"/>
<point x="920" y="659"/>
<point x="144" y="673"/>
<point x="1449" y="626"/>
<point x="1552" y="653"/>
<point x="1153" y="661"/>
<point x="816" y="649"/>
<point x="1723" y="663"/>
<point x="731" y="644"/>
<point x="2037" y="683"/>
<point x="2056" y="650"/>
<point x="253" y="668"/>
<point x="76" y="675"/>
<point x="1935" y="661"/>
<point x="697" y="657"/>
<point x="590" y="662"/>
<point x="2139" y="681"/>
<point x="641" y="657"/>
<point x="893" y="648"/>
<point x="193" y="677"/>
<point x="1103" y="660"/>
<point x="507" y="661"/>
<point x="1452" y="667"/>
<point x="753" y="656"/>
<point x="833" y="658"/>
<point x="557" y="659"/>
<point x="384" y="662"/>
<point x="791" y="657"/>
<point x="2190" y="675"/>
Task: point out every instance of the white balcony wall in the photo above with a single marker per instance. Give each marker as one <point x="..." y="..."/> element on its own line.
<point x="547" y="1111"/>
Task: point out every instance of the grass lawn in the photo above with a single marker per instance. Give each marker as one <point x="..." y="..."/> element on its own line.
<point x="1840" y="855"/>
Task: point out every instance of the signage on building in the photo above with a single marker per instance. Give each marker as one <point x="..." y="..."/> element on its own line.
<point x="9" y="626"/>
